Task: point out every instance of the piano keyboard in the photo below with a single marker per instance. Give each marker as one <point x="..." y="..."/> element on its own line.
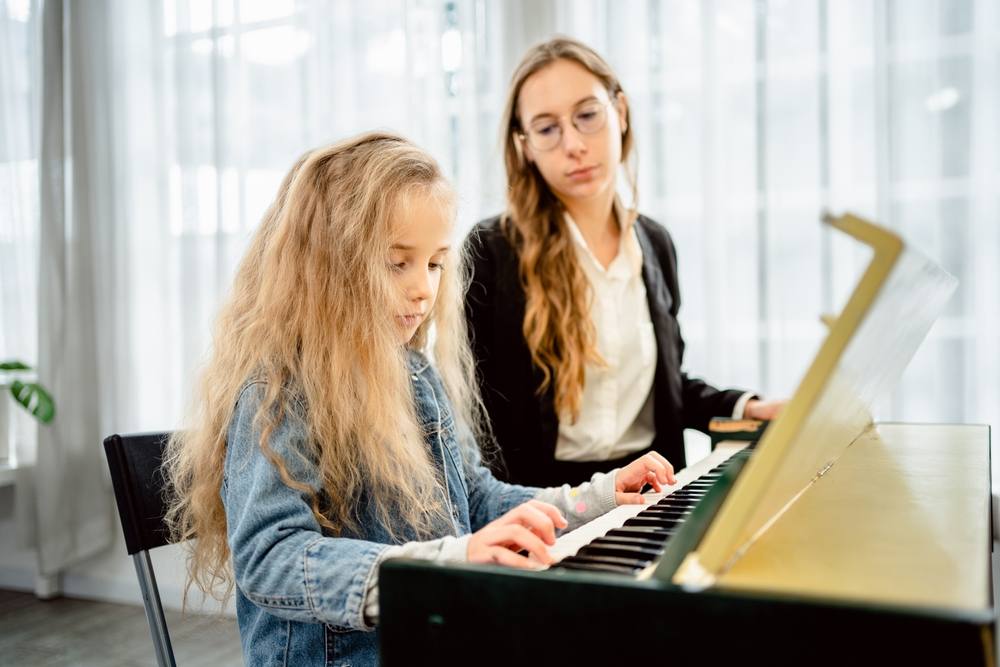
<point x="630" y="538"/>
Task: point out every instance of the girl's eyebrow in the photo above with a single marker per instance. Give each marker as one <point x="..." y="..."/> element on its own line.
<point x="400" y="246"/>
<point x="547" y="114"/>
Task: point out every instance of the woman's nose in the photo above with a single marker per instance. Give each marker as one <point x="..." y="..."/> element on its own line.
<point x="572" y="140"/>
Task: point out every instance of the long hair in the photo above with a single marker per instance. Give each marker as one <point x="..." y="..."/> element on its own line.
<point x="557" y="325"/>
<point x="300" y="320"/>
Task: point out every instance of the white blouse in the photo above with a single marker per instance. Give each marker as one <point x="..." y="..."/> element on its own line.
<point x="616" y="411"/>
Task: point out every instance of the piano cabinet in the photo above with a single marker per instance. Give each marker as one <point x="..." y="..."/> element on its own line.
<point x="475" y="615"/>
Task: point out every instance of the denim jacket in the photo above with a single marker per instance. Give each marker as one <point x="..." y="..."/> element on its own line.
<point x="299" y="590"/>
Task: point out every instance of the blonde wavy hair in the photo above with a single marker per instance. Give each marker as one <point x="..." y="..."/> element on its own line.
<point x="299" y="319"/>
<point x="557" y="325"/>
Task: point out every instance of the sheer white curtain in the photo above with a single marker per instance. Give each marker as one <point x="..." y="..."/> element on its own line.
<point x="20" y="65"/>
<point x="752" y="116"/>
<point x="181" y="116"/>
<point x="166" y="128"/>
<point x="219" y="100"/>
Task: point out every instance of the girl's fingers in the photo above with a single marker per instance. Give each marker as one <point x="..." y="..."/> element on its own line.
<point x="520" y="538"/>
<point x="653" y="480"/>
<point x="502" y="556"/>
<point x="629" y="498"/>
<point x="659" y="465"/>
<point x="536" y="521"/>
<point x="551" y="511"/>
<point x="534" y="517"/>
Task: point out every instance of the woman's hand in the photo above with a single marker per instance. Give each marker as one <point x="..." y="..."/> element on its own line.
<point x="527" y="527"/>
<point x="763" y="410"/>
<point x="650" y="469"/>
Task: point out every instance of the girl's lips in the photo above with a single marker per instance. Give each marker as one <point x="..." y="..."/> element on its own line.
<point x="410" y="320"/>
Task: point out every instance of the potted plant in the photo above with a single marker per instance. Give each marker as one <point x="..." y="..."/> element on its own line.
<point x="31" y="395"/>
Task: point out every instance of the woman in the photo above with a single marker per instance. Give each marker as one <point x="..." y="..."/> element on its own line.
<point x="574" y="298"/>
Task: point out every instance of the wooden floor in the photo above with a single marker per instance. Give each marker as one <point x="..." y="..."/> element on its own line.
<point x="64" y="632"/>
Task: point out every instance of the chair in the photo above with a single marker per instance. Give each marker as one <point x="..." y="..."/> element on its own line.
<point x="135" y="461"/>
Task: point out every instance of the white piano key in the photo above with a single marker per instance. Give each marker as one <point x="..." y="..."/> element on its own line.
<point x="573" y="541"/>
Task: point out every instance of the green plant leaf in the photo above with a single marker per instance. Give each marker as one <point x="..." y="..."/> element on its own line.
<point x="13" y="366"/>
<point x="35" y="399"/>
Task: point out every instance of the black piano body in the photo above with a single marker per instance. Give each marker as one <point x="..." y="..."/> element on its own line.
<point x="473" y="615"/>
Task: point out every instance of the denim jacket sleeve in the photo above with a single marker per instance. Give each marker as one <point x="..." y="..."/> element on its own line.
<point x="489" y="498"/>
<point x="282" y="561"/>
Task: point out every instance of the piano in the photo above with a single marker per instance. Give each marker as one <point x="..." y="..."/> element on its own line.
<point x="833" y="539"/>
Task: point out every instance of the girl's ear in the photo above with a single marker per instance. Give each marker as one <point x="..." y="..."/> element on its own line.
<point x="621" y="104"/>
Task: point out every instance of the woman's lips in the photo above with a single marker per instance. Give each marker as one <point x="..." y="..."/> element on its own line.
<point x="582" y="174"/>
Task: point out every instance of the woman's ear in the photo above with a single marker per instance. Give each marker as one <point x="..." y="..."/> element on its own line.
<point x="522" y="148"/>
<point x="621" y="104"/>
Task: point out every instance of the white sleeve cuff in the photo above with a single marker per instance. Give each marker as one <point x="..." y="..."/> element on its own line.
<point x="741" y="404"/>
<point x="445" y="549"/>
<point x="580" y="504"/>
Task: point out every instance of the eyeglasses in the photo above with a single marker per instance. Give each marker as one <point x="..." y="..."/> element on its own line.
<point x="547" y="134"/>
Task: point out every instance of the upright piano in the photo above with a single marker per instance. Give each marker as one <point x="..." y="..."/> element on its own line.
<point x="833" y="540"/>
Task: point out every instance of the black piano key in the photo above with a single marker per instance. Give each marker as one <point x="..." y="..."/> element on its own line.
<point x="633" y="541"/>
<point x="678" y="499"/>
<point x="677" y="504"/>
<point x="666" y="508"/>
<point x="641" y="531"/>
<point x="636" y="563"/>
<point x="665" y="524"/>
<point x="621" y="551"/>
<point x="660" y="511"/>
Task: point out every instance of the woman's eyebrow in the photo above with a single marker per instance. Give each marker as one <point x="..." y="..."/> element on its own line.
<point x="549" y="114"/>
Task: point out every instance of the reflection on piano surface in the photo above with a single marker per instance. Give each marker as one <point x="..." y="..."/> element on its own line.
<point x="835" y="540"/>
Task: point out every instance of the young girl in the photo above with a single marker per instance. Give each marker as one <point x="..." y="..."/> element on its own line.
<point x="574" y="299"/>
<point x="324" y="440"/>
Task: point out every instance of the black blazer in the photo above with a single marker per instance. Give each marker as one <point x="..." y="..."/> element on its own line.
<point x="525" y="424"/>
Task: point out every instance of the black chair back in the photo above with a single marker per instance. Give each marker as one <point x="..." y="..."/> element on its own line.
<point x="135" y="462"/>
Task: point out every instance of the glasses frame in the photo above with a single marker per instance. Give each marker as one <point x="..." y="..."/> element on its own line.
<point x="525" y="136"/>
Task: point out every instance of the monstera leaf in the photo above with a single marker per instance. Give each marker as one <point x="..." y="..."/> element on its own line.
<point x="31" y="395"/>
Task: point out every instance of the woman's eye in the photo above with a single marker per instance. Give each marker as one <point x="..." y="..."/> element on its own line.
<point x="398" y="267"/>
<point x="436" y="266"/>
<point x="546" y="130"/>
<point x="586" y="115"/>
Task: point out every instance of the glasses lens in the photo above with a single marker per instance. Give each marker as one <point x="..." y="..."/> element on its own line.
<point x="546" y="137"/>
<point x="590" y="118"/>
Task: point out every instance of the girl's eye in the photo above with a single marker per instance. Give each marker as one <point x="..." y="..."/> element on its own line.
<point x="398" y="266"/>
<point x="546" y="130"/>
<point x="436" y="266"/>
<point x="586" y="115"/>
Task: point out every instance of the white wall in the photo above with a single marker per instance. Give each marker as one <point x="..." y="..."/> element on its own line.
<point x="109" y="576"/>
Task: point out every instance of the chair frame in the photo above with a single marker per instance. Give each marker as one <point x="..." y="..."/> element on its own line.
<point x="135" y="465"/>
